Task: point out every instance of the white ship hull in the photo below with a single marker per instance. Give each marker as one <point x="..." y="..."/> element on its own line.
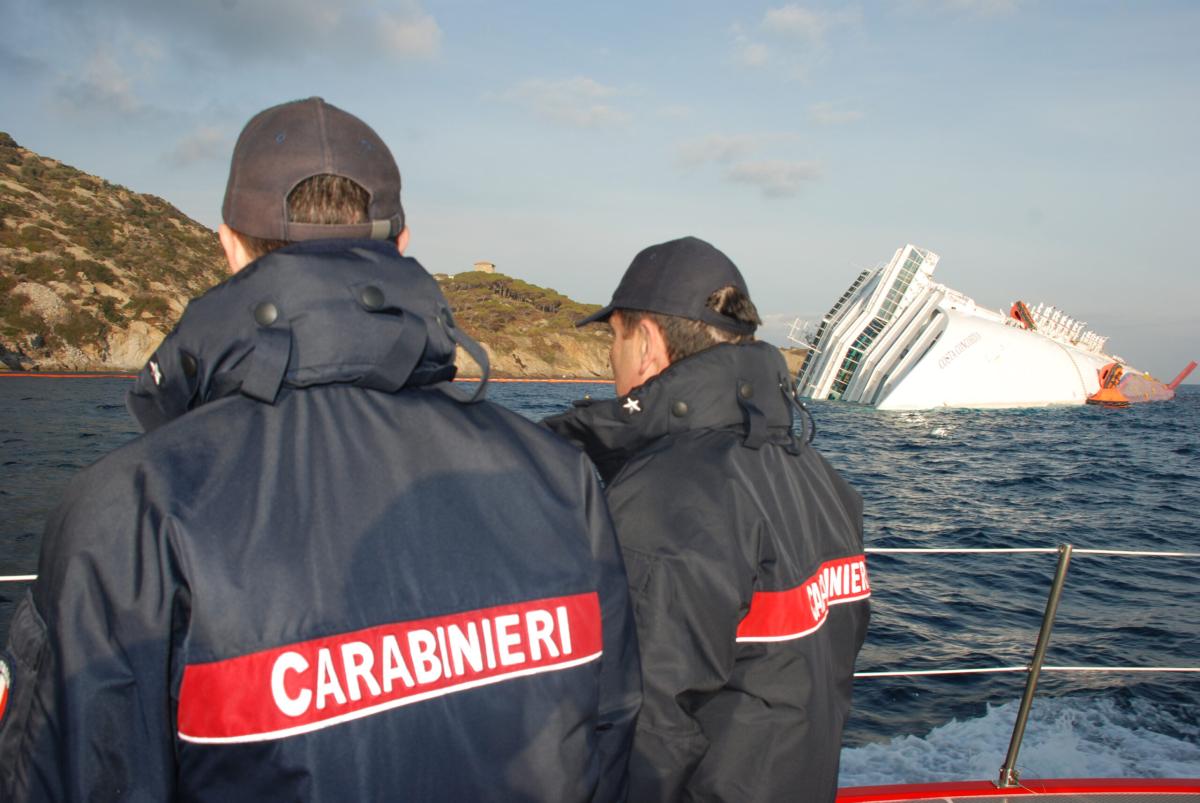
<point x="896" y="340"/>
<point x="982" y="362"/>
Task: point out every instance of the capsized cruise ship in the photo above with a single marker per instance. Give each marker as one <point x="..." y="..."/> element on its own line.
<point x="898" y="340"/>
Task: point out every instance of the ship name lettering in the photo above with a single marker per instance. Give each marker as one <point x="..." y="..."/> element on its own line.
<point x="959" y="348"/>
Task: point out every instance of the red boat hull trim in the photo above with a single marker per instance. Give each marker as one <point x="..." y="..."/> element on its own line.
<point x="1126" y="790"/>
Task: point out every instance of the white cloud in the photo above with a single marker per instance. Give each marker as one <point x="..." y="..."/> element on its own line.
<point x="754" y="54"/>
<point x="805" y="23"/>
<point x="747" y="51"/>
<point x="580" y="102"/>
<point x="721" y="148"/>
<point x="269" y="29"/>
<point x="725" y="148"/>
<point x="739" y="154"/>
<point x="103" y="85"/>
<point x="985" y="6"/>
<point x="415" y="35"/>
<point x="795" y="20"/>
<point x="829" y="114"/>
<point x="979" y="7"/>
<point x="205" y="144"/>
<point x="797" y="36"/>
<point x="776" y="179"/>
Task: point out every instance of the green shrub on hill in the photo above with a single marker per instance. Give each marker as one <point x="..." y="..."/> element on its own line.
<point x="80" y="328"/>
<point x="148" y="305"/>
<point x="11" y="211"/>
<point x="14" y="320"/>
<point x="39" y="269"/>
<point x="33" y="238"/>
<point x="97" y="236"/>
<point x="487" y="304"/>
<point x="32" y="170"/>
<point x="17" y="323"/>
<point x="111" y="310"/>
<point x="96" y="272"/>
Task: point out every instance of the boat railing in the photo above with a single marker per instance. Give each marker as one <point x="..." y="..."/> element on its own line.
<point x="1009" y="777"/>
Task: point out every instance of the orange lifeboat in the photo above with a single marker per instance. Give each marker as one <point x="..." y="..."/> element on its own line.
<point x="1109" y="394"/>
<point x="1020" y="313"/>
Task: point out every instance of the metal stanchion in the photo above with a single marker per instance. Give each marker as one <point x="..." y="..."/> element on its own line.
<point x="1008" y="772"/>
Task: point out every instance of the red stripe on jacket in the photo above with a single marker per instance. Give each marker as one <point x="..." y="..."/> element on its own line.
<point x="301" y="687"/>
<point x="796" y="612"/>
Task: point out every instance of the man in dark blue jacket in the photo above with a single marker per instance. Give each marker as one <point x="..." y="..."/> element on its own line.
<point x="324" y="572"/>
<point x="743" y="546"/>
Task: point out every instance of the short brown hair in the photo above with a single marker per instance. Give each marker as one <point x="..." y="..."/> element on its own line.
<point x="325" y="199"/>
<point x="685" y="337"/>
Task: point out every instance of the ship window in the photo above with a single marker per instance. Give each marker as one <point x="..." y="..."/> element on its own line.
<point x="854" y="354"/>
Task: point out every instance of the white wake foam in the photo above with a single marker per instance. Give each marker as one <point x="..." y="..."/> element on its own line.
<point x="1065" y="738"/>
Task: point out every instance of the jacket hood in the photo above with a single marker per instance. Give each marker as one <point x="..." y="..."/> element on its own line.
<point x="745" y="388"/>
<point x="333" y="311"/>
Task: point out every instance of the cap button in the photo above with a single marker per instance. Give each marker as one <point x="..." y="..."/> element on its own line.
<point x="266" y="313"/>
<point x="679" y="409"/>
<point x="371" y="297"/>
<point x="746" y="390"/>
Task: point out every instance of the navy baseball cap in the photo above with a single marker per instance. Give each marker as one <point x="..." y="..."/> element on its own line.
<point x="286" y="144"/>
<point x="677" y="278"/>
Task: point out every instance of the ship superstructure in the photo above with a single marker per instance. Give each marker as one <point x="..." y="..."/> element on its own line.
<point x="898" y="340"/>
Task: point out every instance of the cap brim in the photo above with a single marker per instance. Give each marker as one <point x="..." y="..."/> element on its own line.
<point x="599" y="316"/>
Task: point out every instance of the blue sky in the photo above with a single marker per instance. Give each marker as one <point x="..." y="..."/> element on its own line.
<point x="1046" y="150"/>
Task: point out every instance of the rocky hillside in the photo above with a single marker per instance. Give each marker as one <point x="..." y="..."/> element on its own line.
<point x="526" y="330"/>
<point x="93" y="275"/>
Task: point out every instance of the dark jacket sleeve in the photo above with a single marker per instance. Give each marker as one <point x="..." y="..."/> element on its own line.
<point x="689" y="590"/>
<point x="89" y="653"/>
<point x="620" y="672"/>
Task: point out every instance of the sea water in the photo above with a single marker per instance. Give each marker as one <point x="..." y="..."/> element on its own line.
<point x="1096" y="478"/>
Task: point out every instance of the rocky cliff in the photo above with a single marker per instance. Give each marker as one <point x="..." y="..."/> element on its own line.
<point x="93" y="275"/>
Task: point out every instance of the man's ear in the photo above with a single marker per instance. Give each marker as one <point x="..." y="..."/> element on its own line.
<point x="654" y="357"/>
<point x="402" y="240"/>
<point x="235" y="252"/>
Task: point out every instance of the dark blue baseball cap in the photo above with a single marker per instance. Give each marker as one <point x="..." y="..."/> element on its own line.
<point x="286" y="144"/>
<point x="677" y="278"/>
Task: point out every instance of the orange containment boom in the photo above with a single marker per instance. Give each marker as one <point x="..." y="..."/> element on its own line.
<point x="1177" y="381"/>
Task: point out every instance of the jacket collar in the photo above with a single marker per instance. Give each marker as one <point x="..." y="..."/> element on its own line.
<point x="741" y="388"/>
<point x="331" y="311"/>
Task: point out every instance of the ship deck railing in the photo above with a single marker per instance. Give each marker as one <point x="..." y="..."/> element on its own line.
<point x="1009" y="778"/>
